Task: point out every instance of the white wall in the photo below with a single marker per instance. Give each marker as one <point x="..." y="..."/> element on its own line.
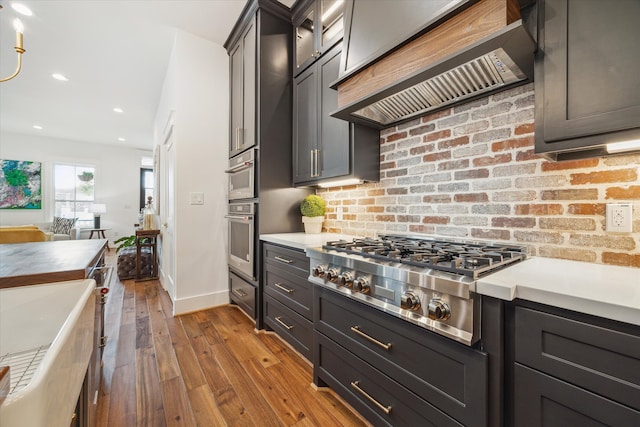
<point x="197" y="91"/>
<point x="117" y="181"/>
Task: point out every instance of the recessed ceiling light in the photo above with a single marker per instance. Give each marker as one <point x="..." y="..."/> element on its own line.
<point x="37" y="127"/>
<point x="121" y="139"/>
<point x="60" y="77"/>
<point x="118" y="110"/>
<point x="22" y="9"/>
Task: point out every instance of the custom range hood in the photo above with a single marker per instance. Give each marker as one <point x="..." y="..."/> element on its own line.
<point x="429" y="73"/>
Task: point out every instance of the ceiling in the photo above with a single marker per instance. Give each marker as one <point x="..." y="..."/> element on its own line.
<point x="115" y="54"/>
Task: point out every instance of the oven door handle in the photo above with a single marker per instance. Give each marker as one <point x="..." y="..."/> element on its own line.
<point x="240" y="217"/>
<point x="239" y="167"/>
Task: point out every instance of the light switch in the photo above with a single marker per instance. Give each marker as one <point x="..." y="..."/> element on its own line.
<point x="196" y="198"/>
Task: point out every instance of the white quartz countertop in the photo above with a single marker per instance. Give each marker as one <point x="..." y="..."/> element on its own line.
<point x="303" y="240"/>
<point x="601" y="290"/>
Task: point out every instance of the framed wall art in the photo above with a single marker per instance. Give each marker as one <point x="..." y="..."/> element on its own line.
<point x="20" y="184"/>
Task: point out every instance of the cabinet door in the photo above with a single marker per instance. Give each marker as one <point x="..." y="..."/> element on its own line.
<point x="248" y="130"/>
<point x="587" y="68"/>
<point x="334" y="144"/>
<point x="305" y="121"/>
<point x="236" y="98"/>
<point x="243" y="92"/>
<point x="542" y="400"/>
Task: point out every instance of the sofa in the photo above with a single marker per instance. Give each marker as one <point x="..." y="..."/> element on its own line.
<point x="23" y="234"/>
<point x="73" y="234"/>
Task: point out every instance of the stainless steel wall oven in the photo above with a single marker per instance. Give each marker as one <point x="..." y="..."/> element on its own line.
<point x="241" y="255"/>
<point x="242" y="176"/>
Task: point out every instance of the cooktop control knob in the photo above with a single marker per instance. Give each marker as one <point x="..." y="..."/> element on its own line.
<point x="409" y="301"/>
<point x="361" y="284"/>
<point x="345" y="279"/>
<point x="318" y="271"/>
<point x="332" y="274"/>
<point x="438" y="309"/>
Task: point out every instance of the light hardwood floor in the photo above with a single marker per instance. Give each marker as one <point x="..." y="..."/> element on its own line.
<point x="209" y="368"/>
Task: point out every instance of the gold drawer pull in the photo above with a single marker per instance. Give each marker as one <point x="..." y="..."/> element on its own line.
<point x="385" y="409"/>
<point x="286" y="261"/>
<point x="239" y="293"/>
<point x="279" y="320"/>
<point x="357" y="330"/>
<point x="279" y="286"/>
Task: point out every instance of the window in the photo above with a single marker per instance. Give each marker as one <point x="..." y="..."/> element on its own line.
<point x="146" y="185"/>
<point x="74" y="191"/>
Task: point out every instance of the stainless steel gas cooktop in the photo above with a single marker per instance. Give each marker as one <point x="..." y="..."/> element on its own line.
<point x="427" y="281"/>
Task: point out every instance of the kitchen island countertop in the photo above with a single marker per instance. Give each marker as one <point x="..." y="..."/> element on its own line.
<point x="43" y="262"/>
<point x="303" y="240"/>
<point x="601" y="290"/>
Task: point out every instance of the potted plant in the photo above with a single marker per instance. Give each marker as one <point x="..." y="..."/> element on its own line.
<point x="312" y="209"/>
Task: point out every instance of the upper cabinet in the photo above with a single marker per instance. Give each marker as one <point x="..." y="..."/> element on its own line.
<point x="587" y="81"/>
<point x="242" y="58"/>
<point x="318" y="25"/>
<point x="326" y="148"/>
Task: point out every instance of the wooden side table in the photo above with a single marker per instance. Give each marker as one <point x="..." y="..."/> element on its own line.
<point x="147" y="239"/>
<point x="99" y="232"/>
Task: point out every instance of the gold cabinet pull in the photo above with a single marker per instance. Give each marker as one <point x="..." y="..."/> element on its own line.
<point x="239" y="293"/>
<point x="385" y="409"/>
<point x="358" y="331"/>
<point x="279" y="286"/>
<point x="286" y="261"/>
<point x="279" y="320"/>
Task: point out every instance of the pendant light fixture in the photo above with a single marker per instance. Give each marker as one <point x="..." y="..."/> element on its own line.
<point x="17" y="25"/>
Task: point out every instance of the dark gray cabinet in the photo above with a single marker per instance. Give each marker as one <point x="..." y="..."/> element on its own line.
<point x="324" y="147"/>
<point x="288" y="308"/>
<point x="259" y="48"/>
<point x="317" y="25"/>
<point x="586" y="73"/>
<point x="242" y="57"/>
<point x="574" y="370"/>
<point x="420" y="375"/>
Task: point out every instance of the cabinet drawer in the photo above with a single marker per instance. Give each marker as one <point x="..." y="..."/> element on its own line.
<point x="541" y="400"/>
<point x="293" y="291"/>
<point x="243" y="294"/>
<point x="291" y="327"/>
<point x="603" y="360"/>
<point x="294" y="261"/>
<point x="379" y="398"/>
<point x="447" y="374"/>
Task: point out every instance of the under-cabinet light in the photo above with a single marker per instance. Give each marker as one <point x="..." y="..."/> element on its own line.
<point x="351" y="181"/>
<point x="619" y="147"/>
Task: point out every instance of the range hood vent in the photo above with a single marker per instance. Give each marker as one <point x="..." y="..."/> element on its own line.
<point x="502" y="59"/>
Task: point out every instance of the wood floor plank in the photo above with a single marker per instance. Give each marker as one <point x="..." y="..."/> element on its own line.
<point x="177" y="408"/>
<point x="205" y="408"/>
<point x="189" y="367"/>
<point x="144" y="338"/>
<point x="286" y="406"/>
<point x="149" y="405"/>
<point x="244" y="386"/>
<point x="122" y="405"/>
<point x="166" y="360"/>
<point x="142" y="310"/>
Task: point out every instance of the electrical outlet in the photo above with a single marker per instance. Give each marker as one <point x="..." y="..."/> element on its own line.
<point x="619" y="217"/>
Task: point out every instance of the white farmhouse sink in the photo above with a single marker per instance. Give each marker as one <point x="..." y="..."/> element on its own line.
<point x="49" y="327"/>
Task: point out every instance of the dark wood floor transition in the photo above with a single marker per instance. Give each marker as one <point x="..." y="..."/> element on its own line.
<point x="208" y="368"/>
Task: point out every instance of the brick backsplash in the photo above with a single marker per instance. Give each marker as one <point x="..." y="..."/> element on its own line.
<point x="471" y="172"/>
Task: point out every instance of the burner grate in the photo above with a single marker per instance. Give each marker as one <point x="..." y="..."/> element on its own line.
<point x="468" y="259"/>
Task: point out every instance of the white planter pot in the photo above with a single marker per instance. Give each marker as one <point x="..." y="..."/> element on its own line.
<point x="313" y="224"/>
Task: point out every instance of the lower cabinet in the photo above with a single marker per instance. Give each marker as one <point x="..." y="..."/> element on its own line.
<point x="243" y="293"/>
<point x="573" y="370"/>
<point x="287" y="296"/>
<point x="394" y="372"/>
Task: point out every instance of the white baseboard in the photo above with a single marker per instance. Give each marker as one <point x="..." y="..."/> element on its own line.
<point x="200" y="302"/>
